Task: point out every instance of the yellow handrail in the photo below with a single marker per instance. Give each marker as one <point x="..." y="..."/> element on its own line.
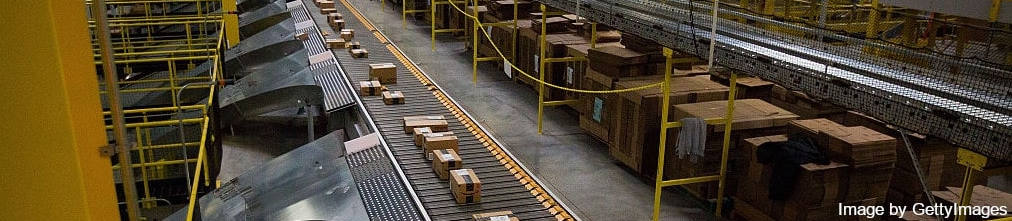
<point x="201" y="159"/>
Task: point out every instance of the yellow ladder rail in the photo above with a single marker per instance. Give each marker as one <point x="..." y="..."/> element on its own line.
<point x="659" y="181"/>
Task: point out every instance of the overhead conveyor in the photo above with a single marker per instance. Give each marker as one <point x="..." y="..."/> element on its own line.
<point x="970" y="108"/>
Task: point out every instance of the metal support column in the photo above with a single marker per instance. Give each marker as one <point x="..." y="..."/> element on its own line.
<point x="123" y="146"/>
<point x="231" y="22"/>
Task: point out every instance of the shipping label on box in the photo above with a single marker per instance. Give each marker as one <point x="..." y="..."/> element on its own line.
<point x="444" y="161"/>
<point x="393" y="97"/>
<point x="370" y="88"/>
<point x="439" y="143"/>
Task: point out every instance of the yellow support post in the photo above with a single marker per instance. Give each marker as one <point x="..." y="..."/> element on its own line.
<point x="665" y="102"/>
<point x="474" y="43"/>
<point x="728" y="118"/>
<point x="995" y="10"/>
<point x="872" y="30"/>
<point x="659" y="181"/>
<point x="46" y="43"/>
<point x="231" y="22"/>
<point x="432" y="22"/>
<point x="593" y="35"/>
<point x="541" y="67"/>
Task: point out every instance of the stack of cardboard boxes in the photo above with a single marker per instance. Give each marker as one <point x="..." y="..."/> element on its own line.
<point x="441" y="147"/>
<point x="803" y="105"/>
<point x="635" y="137"/>
<point x="751" y="118"/>
<point x="859" y="174"/>
<point x="937" y="161"/>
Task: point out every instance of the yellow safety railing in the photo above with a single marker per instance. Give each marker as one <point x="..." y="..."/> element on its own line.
<point x="205" y="136"/>
<point x="195" y="44"/>
<point x="665" y="87"/>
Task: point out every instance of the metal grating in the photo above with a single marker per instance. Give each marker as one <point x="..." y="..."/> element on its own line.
<point x="336" y="95"/>
<point x="384" y="196"/>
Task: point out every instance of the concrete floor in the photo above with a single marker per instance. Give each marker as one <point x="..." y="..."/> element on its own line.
<point x="574" y="166"/>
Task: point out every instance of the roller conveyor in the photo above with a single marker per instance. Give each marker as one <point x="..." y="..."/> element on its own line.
<point x="971" y="110"/>
<point x="506" y="185"/>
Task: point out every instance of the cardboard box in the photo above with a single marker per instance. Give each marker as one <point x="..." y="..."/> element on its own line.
<point x="337" y="24"/>
<point x="439" y="143"/>
<point x="327" y="10"/>
<point x="421" y="132"/>
<point x="504" y="9"/>
<point x="872" y="155"/>
<point x="353" y="45"/>
<point x="598" y="108"/>
<point x="359" y="53"/>
<point x="335" y="43"/>
<point x="370" y="88"/>
<point x="801" y="104"/>
<point x="434" y="125"/>
<point x="635" y="135"/>
<point x="639" y="44"/>
<point x="751" y="118"/>
<point x="465" y="185"/>
<point x="576" y="71"/>
<point x="443" y="161"/>
<point x="386" y="73"/>
<point x="335" y="16"/>
<point x="326" y="4"/>
<point x="748" y="87"/>
<point x="347" y="34"/>
<point x="302" y="36"/>
<point x="496" y="216"/>
<point x="555" y="24"/>
<point x="615" y="56"/>
<point x="393" y="97"/>
<point x="321" y="57"/>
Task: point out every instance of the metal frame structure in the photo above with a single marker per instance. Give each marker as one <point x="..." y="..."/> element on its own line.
<point x="195" y="43"/>
<point x="432" y="15"/>
<point x="475" y="38"/>
<point x="543" y="60"/>
<point x="659" y="181"/>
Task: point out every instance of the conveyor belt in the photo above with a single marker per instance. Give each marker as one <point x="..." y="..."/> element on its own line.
<point x="506" y="184"/>
<point x="972" y="112"/>
<point x="336" y="94"/>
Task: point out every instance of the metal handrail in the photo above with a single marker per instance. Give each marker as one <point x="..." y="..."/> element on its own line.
<point x="201" y="158"/>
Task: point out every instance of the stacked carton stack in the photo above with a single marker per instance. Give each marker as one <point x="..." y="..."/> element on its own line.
<point x="503" y="10"/>
<point x="557" y="73"/>
<point x="752" y="118"/>
<point x="859" y="174"/>
<point x="748" y="87"/>
<point x="597" y="116"/>
<point x="937" y="161"/>
<point x="816" y="189"/>
<point x="803" y="105"/>
<point x="576" y="71"/>
<point x="635" y="136"/>
<point x="503" y="38"/>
